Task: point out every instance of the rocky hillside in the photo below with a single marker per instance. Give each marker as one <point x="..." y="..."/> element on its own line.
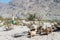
<point x="48" y="9"/>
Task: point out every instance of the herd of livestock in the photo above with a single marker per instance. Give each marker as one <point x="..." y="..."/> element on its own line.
<point x="37" y="27"/>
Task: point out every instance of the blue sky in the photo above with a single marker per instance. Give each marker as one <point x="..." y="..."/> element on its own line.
<point x="5" y="1"/>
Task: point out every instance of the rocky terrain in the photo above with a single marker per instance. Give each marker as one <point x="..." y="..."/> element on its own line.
<point x="49" y="9"/>
<point x="19" y="30"/>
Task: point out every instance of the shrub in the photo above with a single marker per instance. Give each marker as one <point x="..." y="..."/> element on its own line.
<point x="31" y="17"/>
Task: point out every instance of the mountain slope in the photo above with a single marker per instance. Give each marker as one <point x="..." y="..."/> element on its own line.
<point x="49" y="9"/>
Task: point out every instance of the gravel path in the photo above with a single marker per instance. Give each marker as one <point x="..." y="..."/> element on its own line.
<point x="8" y="35"/>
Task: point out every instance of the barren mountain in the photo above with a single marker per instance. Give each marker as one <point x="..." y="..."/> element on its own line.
<point x="48" y="9"/>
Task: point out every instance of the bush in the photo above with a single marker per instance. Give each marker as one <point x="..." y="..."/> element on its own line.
<point x="16" y="23"/>
<point x="1" y="18"/>
<point x="31" y="17"/>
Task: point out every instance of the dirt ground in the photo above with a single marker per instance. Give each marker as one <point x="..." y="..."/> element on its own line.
<point x="9" y="35"/>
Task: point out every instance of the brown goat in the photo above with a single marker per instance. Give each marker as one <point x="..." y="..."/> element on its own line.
<point x="32" y="32"/>
<point x="44" y="31"/>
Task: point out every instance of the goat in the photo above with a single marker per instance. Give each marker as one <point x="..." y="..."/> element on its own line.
<point x="32" y="32"/>
<point x="44" y="30"/>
